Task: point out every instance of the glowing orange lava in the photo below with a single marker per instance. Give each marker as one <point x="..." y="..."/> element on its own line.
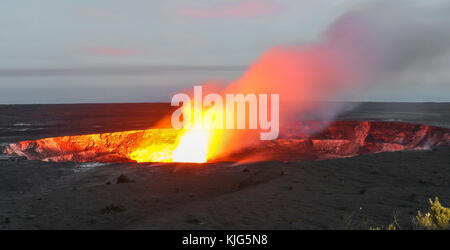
<point x="191" y="145"/>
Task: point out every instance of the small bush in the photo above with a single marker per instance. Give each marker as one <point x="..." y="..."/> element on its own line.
<point x="390" y="227"/>
<point x="437" y="218"/>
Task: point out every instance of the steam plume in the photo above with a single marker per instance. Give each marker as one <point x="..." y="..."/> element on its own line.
<point x="362" y="47"/>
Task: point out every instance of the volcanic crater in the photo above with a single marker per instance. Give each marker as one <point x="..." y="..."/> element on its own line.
<point x="306" y="140"/>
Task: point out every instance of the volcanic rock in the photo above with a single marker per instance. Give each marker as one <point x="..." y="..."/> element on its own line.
<point x="123" y="179"/>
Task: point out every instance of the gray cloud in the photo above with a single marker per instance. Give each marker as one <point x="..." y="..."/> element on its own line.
<point x="114" y="71"/>
<point x="407" y="33"/>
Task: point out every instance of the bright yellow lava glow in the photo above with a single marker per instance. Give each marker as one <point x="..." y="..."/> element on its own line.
<point x="184" y="145"/>
<point x="192" y="146"/>
<point x="153" y="153"/>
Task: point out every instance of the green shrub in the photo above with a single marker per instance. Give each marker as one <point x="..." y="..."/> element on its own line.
<point x="437" y="218"/>
<point x="391" y="226"/>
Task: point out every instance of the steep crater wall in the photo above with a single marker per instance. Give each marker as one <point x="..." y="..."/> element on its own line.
<point x="307" y="140"/>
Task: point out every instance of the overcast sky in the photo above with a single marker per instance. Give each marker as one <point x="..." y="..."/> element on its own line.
<point x="55" y="51"/>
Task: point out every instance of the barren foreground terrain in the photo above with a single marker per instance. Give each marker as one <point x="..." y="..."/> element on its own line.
<point x="359" y="192"/>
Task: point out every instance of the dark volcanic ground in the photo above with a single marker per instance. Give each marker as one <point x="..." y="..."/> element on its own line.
<point x="357" y="192"/>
